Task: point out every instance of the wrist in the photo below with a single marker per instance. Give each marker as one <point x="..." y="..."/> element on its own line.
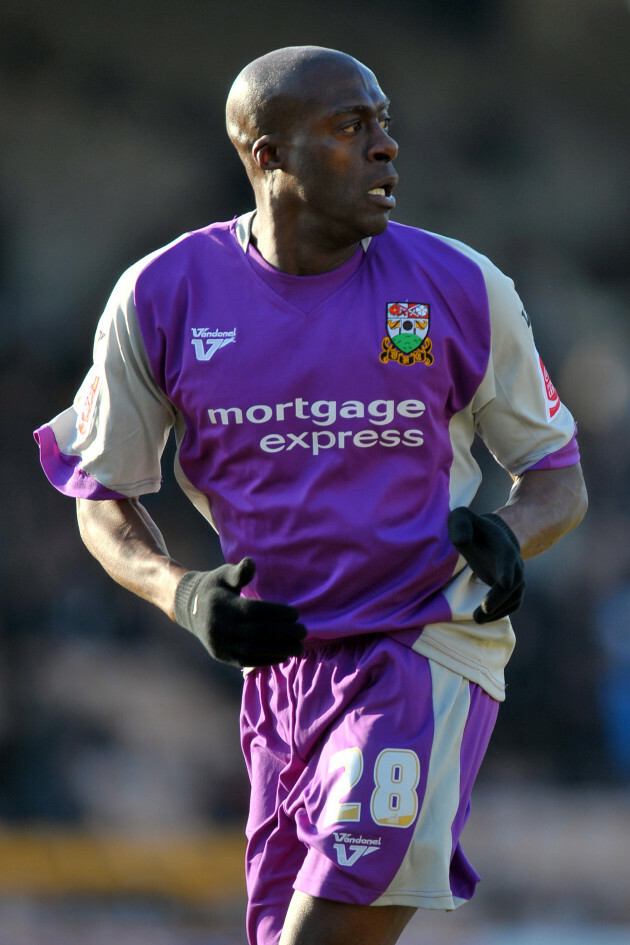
<point x="183" y="597"/>
<point x="505" y="528"/>
<point x="169" y="583"/>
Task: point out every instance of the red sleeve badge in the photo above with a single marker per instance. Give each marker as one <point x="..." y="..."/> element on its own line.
<point x="550" y="394"/>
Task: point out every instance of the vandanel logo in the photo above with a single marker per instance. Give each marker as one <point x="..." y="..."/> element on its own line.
<point x="207" y="341"/>
<point x="407" y="339"/>
<point x="349" y="849"/>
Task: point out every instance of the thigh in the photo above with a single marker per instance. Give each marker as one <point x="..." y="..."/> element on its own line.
<point x="312" y="921"/>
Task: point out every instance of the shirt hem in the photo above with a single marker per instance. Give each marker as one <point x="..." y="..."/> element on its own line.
<point x="474" y="672"/>
<point x="421" y="899"/>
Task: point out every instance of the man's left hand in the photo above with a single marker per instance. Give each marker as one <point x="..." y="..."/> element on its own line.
<point x="493" y="553"/>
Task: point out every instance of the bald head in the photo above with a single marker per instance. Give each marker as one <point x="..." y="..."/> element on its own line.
<point x="268" y="95"/>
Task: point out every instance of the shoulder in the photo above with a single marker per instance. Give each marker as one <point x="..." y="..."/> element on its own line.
<point x="466" y="273"/>
<point x="417" y="239"/>
<point x="439" y="251"/>
<point x="159" y="276"/>
<point x="187" y="250"/>
<point x="451" y="264"/>
<point x="493" y="276"/>
<point x="168" y="258"/>
<point x="500" y="290"/>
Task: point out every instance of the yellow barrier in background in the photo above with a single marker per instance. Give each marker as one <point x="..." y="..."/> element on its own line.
<point x="195" y="869"/>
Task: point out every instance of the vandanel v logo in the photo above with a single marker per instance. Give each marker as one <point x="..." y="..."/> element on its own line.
<point x="207" y="341"/>
<point x="349" y="849"/>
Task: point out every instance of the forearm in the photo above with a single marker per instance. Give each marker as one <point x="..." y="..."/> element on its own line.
<point x="123" y="537"/>
<point x="543" y="506"/>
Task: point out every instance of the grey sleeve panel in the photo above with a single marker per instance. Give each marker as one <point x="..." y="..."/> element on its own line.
<point x="515" y="410"/>
<point x="120" y="420"/>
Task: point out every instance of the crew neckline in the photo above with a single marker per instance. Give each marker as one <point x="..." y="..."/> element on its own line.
<point x="243" y="231"/>
<point x="304" y="292"/>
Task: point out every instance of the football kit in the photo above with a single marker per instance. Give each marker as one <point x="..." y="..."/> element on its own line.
<point x="324" y="427"/>
<point x="324" y="423"/>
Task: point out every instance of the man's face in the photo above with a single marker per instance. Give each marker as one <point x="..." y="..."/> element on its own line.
<point x="339" y="157"/>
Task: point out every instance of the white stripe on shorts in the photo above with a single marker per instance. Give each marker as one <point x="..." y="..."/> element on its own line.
<point x="423" y="877"/>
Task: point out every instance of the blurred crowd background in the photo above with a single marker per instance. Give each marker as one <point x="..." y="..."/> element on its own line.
<point x="512" y="119"/>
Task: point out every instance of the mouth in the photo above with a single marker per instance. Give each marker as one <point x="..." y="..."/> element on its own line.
<point x="382" y="193"/>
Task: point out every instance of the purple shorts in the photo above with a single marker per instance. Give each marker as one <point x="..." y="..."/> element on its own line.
<point x="362" y="755"/>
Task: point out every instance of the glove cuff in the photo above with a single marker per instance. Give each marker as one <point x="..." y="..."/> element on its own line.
<point x="184" y="597"/>
<point x="505" y="528"/>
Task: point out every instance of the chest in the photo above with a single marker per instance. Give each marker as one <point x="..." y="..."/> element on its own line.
<point x="391" y="333"/>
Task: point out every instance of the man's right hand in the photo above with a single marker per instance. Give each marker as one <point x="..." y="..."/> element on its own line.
<point x="237" y="630"/>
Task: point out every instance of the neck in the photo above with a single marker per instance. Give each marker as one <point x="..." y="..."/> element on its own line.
<point x="294" y="250"/>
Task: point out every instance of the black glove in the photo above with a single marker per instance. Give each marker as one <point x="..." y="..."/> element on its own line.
<point x="493" y="552"/>
<point x="235" y="629"/>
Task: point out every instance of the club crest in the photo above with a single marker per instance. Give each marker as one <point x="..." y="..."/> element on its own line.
<point x="407" y="339"/>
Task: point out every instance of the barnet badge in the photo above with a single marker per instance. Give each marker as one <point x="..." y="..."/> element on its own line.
<point x="407" y="339"/>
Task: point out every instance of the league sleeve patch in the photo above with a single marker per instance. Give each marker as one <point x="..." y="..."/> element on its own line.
<point x="86" y="412"/>
<point x="550" y="394"/>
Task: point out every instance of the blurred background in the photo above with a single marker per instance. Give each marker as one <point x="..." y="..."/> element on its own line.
<point x="122" y="789"/>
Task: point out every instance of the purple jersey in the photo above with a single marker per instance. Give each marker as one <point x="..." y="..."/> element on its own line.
<point x="324" y="423"/>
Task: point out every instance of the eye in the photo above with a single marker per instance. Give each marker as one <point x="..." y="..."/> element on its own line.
<point x="385" y="122"/>
<point x="352" y="127"/>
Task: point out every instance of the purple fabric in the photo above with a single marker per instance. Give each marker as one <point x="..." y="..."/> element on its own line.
<point x="305" y="294"/>
<point x="295" y="717"/>
<point x="320" y="456"/>
<point x="568" y="455"/>
<point x="275" y="471"/>
<point x="479" y="727"/>
<point x="64" y="471"/>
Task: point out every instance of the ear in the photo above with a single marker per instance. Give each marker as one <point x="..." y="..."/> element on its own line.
<point x="266" y="153"/>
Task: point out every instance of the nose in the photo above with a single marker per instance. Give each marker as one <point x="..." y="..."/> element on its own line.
<point x="382" y="147"/>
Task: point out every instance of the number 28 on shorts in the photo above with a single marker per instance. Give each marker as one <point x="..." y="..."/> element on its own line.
<point x="394" y="801"/>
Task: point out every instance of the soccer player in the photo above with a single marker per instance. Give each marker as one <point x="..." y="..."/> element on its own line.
<point x="325" y="372"/>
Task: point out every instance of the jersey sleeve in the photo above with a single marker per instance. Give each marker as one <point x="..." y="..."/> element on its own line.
<point x="109" y="443"/>
<point x="517" y="410"/>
